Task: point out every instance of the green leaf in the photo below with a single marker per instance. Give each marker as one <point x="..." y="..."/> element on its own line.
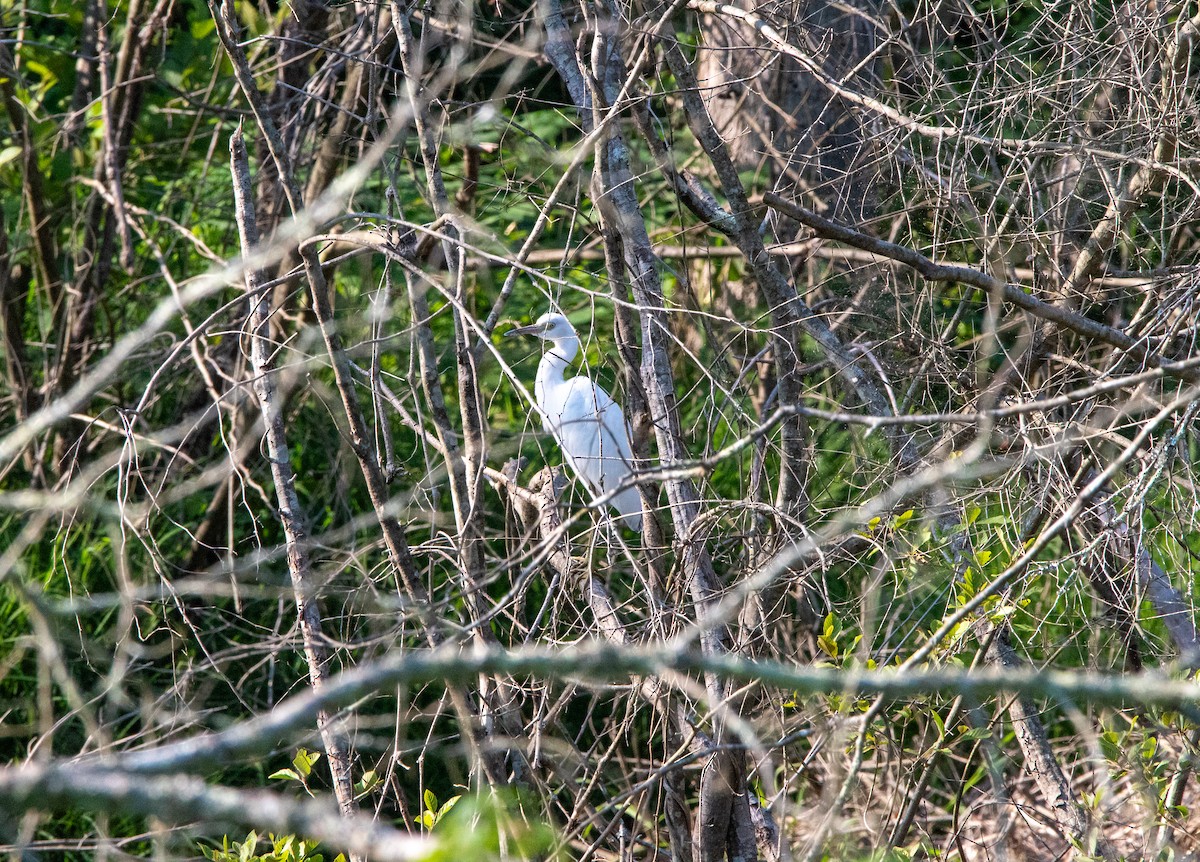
<point x="431" y="801"/>
<point x="287" y="774"/>
<point x="828" y="646"/>
<point x="48" y="76"/>
<point x="1110" y="745"/>
<point x="445" y="809"/>
<point x="304" y="760"/>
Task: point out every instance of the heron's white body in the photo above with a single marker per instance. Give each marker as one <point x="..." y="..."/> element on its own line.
<point x="587" y="424"/>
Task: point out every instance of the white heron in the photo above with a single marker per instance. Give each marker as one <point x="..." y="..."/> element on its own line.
<point x="587" y="424"/>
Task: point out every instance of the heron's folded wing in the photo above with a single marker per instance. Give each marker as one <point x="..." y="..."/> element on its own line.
<point x="595" y="438"/>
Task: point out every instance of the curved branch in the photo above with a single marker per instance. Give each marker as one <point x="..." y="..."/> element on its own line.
<point x="190" y="800"/>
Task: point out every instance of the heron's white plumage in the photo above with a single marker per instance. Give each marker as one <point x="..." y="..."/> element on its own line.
<point x="587" y="424"/>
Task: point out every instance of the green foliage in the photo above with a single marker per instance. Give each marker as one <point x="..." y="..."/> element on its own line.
<point x="477" y="829"/>
<point x="272" y="848"/>
<point x="490" y="827"/>
<point x="433" y="813"/>
<point x="302" y="765"/>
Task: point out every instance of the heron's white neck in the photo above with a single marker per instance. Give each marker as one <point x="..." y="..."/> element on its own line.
<point x="556" y="360"/>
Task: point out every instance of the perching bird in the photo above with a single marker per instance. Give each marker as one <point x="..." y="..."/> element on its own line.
<point x="587" y="424"/>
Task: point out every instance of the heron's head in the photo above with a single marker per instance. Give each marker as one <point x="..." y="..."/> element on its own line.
<point x="551" y="326"/>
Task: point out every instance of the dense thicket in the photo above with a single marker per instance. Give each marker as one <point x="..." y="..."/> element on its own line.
<point x="901" y="303"/>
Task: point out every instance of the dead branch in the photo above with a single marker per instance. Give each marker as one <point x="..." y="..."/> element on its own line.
<point x="291" y="514"/>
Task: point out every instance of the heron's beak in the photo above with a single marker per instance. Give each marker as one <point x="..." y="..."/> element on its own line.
<point x="532" y="329"/>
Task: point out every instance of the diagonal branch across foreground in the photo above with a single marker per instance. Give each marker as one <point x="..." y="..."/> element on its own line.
<point x="934" y="271"/>
<point x="607" y="663"/>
